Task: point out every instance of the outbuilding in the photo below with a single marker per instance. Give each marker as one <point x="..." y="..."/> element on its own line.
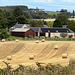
<point x="23" y="32"/>
<point x="52" y="32"/>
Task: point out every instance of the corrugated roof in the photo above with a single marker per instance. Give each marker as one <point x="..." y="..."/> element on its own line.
<point x="18" y="25"/>
<point x="35" y="29"/>
<point x="20" y="30"/>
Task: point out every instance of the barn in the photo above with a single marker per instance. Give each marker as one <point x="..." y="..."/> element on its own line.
<point x="23" y="32"/>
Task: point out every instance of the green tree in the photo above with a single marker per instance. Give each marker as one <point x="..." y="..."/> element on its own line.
<point x="17" y="11"/>
<point x="11" y="21"/>
<point x="36" y="23"/>
<point x="22" y="19"/>
<point x="57" y="23"/>
<point x="4" y="33"/>
<point x="63" y="10"/>
<point x="3" y="21"/>
<point x="73" y="14"/>
<point x="48" y="24"/>
<point x="71" y="25"/>
<point x="63" y="18"/>
<point x="27" y="15"/>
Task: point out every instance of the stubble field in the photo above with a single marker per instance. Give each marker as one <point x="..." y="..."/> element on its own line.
<point x="44" y="52"/>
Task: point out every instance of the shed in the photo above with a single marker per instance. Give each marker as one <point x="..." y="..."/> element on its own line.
<point x="23" y="32"/>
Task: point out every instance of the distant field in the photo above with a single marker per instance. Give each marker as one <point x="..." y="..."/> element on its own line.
<point x="53" y="19"/>
<point x="52" y="12"/>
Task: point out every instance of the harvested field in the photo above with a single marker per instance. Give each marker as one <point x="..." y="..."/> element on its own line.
<point x="52" y="19"/>
<point x="42" y="52"/>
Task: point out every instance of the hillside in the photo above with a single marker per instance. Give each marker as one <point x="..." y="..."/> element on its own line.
<point x="52" y="13"/>
<point x="24" y="8"/>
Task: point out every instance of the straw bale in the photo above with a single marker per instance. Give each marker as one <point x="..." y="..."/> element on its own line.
<point x="3" y="40"/>
<point x="17" y="40"/>
<point x="64" y="55"/>
<point x="43" y="40"/>
<point x="56" y="47"/>
<point x="37" y="41"/>
<point x="31" y="57"/>
<point x="9" y="58"/>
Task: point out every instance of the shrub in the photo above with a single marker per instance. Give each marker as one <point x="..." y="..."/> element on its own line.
<point x="70" y="36"/>
<point x="63" y="35"/>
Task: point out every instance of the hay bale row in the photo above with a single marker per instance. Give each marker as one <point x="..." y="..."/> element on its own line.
<point x="43" y="40"/>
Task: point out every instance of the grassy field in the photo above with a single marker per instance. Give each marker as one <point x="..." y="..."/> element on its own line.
<point x="52" y="12"/>
<point x="11" y="38"/>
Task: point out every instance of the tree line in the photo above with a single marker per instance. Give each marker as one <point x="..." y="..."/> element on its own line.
<point x="63" y="20"/>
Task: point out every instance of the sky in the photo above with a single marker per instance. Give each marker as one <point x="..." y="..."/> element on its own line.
<point x="48" y="5"/>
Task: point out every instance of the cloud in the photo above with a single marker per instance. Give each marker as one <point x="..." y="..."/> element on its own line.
<point x="68" y="0"/>
<point x="42" y="1"/>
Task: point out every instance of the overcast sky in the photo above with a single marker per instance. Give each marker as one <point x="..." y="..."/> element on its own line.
<point x="49" y="5"/>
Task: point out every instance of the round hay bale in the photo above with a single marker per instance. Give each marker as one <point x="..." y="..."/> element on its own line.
<point x="72" y="59"/>
<point x="9" y="58"/>
<point x="56" y="47"/>
<point x="31" y="57"/>
<point x="3" y="40"/>
<point x="17" y="40"/>
<point x="64" y="55"/>
<point x="43" y="40"/>
<point x="37" y="41"/>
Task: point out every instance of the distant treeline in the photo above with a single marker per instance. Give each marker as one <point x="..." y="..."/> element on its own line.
<point x="10" y="15"/>
<point x="29" y="14"/>
<point x="36" y="14"/>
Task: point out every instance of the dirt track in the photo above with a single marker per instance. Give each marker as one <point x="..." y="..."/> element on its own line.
<point x="43" y="51"/>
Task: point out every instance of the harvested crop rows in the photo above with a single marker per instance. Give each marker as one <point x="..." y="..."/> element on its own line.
<point x="42" y="51"/>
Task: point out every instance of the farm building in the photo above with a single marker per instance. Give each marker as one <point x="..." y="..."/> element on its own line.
<point x="42" y="32"/>
<point x="23" y="32"/>
<point x="52" y="32"/>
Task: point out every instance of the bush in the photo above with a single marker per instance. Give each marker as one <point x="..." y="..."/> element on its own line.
<point x="63" y="35"/>
<point x="70" y="36"/>
<point x="41" y="70"/>
<point x="4" y="34"/>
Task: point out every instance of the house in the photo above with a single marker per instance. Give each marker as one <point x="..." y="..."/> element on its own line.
<point x="23" y="32"/>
